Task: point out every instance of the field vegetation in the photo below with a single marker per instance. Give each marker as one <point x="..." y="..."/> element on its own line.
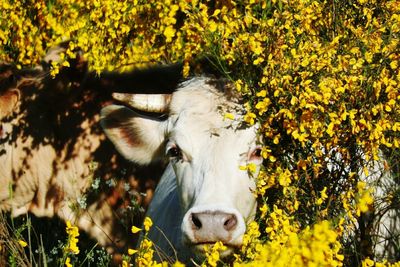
<point x="321" y="77"/>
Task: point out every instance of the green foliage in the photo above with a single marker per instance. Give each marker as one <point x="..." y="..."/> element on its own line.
<point x="321" y="77"/>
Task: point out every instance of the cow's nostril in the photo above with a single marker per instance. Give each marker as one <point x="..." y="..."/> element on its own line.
<point x="196" y="221"/>
<point x="230" y="222"/>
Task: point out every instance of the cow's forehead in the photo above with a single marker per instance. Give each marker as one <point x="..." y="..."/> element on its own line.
<point x="200" y="96"/>
<point x="197" y="119"/>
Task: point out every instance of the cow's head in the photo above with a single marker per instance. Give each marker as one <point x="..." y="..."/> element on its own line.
<point x="205" y="150"/>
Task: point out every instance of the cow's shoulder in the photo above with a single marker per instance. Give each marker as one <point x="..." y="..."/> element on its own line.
<point x="166" y="215"/>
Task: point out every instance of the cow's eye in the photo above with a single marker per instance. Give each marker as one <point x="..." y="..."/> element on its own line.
<point x="256" y="154"/>
<point x="174" y="152"/>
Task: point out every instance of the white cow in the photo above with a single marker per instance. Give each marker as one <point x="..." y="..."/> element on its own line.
<point x="203" y="196"/>
<point x="377" y="232"/>
<point x="384" y="219"/>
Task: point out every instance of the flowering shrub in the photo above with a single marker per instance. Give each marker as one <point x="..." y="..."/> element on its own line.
<point x="312" y="247"/>
<point x="321" y="77"/>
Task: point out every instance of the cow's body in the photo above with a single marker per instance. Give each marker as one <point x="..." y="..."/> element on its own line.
<point x="382" y="222"/>
<point x="377" y="232"/>
<point x="52" y="149"/>
<point x="167" y="217"/>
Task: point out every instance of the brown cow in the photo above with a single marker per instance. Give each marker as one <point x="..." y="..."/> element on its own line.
<point x="54" y="155"/>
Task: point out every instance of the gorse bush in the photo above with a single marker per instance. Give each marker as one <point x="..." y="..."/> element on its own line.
<point x="320" y="77"/>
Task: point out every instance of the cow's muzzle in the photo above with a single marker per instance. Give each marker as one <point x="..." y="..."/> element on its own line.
<point x="202" y="226"/>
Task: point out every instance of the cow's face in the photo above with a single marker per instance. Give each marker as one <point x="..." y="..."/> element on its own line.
<point x="206" y="152"/>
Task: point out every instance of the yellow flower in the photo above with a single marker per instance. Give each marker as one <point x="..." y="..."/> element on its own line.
<point x="132" y="251"/>
<point x="251" y="167"/>
<point x="394" y="64"/>
<point x="322" y="197"/>
<point x="68" y="262"/>
<point x="212" y="26"/>
<point x="365" y="199"/>
<point x="229" y="116"/>
<point x="213" y="253"/>
<point x="124" y="263"/>
<point x="135" y="229"/>
<point x="249" y="118"/>
<point x="147" y="224"/>
<point x="262" y="106"/>
<point x="284" y="178"/>
<point x="368" y="263"/>
<point x="169" y="32"/>
<point x="73" y="247"/>
<point x="178" y="264"/>
<point x="22" y="243"/>
<point x="73" y="233"/>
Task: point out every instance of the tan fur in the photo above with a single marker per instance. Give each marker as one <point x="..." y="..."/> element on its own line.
<point x="51" y="138"/>
<point x="8" y="101"/>
<point x="28" y="171"/>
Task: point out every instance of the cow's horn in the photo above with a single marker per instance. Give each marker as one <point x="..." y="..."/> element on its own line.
<point x="157" y="103"/>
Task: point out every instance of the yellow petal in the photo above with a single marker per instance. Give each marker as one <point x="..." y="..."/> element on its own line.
<point x="132" y="251"/>
<point x="135" y="229"/>
<point x="22" y="243"/>
<point x="229" y="116"/>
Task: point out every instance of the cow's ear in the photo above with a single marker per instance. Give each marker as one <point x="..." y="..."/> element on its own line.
<point x="8" y="102"/>
<point x="138" y="138"/>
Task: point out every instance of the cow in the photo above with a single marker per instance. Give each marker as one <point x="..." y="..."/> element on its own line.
<point x="55" y="160"/>
<point x="382" y="223"/>
<point x="376" y="233"/>
<point x="204" y="195"/>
